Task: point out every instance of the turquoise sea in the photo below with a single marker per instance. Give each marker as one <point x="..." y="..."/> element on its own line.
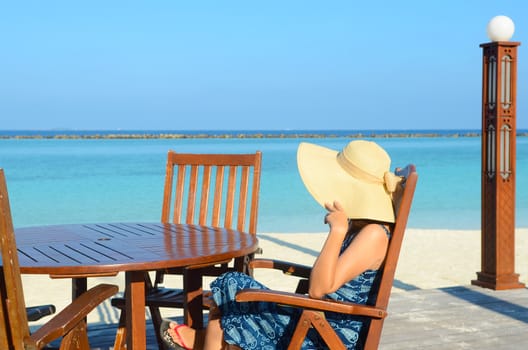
<point x="66" y="180"/>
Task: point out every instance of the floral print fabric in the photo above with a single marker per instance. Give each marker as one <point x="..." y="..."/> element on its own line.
<point x="267" y="326"/>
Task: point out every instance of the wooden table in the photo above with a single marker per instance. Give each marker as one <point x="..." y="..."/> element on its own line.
<point x="79" y="251"/>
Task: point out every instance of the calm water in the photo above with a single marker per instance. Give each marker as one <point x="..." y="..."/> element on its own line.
<point x="66" y="181"/>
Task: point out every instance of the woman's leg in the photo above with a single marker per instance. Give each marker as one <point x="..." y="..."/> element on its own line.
<point x="214" y="336"/>
<point x="211" y="338"/>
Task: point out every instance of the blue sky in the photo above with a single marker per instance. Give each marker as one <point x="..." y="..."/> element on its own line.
<point x="249" y="64"/>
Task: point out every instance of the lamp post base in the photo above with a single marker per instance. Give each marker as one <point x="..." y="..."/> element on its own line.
<point x="502" y="282"/>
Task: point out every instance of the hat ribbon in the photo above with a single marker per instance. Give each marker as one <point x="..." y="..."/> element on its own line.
<point x="390" y="180"/>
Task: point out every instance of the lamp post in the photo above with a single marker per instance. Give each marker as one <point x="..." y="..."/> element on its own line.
<point x="499" y="83"/>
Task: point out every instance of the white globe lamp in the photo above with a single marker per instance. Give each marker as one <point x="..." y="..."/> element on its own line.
<point x="500" y="28"/>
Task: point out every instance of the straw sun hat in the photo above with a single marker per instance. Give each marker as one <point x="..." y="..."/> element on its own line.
<point x="358" y="177"/>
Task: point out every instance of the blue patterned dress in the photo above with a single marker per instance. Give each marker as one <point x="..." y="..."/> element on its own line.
<point x="267" y="326"/>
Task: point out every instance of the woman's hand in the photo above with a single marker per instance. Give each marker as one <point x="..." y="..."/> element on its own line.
<point x="323" y="275"/>
<point x="336" y="218"/>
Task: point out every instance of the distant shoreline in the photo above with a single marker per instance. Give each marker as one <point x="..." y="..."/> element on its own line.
<point x="239" y="135"/>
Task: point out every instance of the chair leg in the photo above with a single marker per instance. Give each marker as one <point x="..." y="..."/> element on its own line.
<point x="155" y="316"/>
<point x="193" y="300"/>
<point x="316" y="320"/>
<point x="120" y="340"/>
<point x="326" y="331"/>
<point x="76" y="339"/>
<point x="303" y="325"/>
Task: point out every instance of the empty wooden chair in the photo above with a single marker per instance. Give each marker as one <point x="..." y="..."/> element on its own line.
<point x="313" y="309"/>
<point x="69" y="323"/>
<point x="220" y="190"/>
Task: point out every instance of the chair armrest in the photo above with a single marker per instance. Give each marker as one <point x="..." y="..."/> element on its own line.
<point x="286" y="267"/>
<point x="35" y="313"/>
<point x="72" y="314"/>
<point x="303" y="301"/>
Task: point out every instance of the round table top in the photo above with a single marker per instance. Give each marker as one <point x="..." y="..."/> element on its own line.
<point x="106" y="248"/>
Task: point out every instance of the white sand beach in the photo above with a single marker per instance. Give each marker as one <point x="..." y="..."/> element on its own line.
<point x="428" y="259"/>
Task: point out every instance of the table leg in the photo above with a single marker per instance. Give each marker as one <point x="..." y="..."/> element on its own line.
<point x="193" y="299"/>
<point x="79" y="286"/>
<point x="135" y="310"/>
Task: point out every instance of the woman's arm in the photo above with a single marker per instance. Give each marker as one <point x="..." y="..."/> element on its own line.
<point x="367" y="251"/>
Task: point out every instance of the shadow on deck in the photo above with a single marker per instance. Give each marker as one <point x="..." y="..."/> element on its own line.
<point x="467" y="317"/>
<point x="464" y="317"/>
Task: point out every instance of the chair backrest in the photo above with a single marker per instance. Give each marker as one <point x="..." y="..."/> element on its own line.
<point x="402" y="201"/>
<point x="218" y="190"/>
<point x="13" y="317"/>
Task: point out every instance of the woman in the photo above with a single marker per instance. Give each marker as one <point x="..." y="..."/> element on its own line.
<point x="355" y="186"/>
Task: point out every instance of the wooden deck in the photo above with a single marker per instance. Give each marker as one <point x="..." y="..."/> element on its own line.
<point x="465" y="317"/>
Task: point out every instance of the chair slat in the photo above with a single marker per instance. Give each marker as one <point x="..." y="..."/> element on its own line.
<point x="204" y="195"/>
<point x="191" y="195"/>
<point x="254" y="197"/>
<point x="217" y="202"/>
<point x="178" y="193"/>
<point x="230" y="198"/>
<point x="242" y="201"/>
<point x="167" y="194"/>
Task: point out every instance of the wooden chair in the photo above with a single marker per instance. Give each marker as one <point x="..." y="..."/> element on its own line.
<point x="14" y="329"/>
<point x="220" y="190"/>
<point x="312" y="314"/>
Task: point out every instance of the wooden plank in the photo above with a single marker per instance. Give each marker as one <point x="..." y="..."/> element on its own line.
<point x="457" y="318"/>
<point x="434" y="319"/>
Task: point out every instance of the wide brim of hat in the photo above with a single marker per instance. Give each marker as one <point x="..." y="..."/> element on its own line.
<point x="327" y="182"/>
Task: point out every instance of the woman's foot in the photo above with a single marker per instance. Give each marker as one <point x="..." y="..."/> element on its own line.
<point x="177" y="336"/>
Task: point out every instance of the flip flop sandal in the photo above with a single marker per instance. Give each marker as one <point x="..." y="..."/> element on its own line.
<point x="167" y="339"/>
